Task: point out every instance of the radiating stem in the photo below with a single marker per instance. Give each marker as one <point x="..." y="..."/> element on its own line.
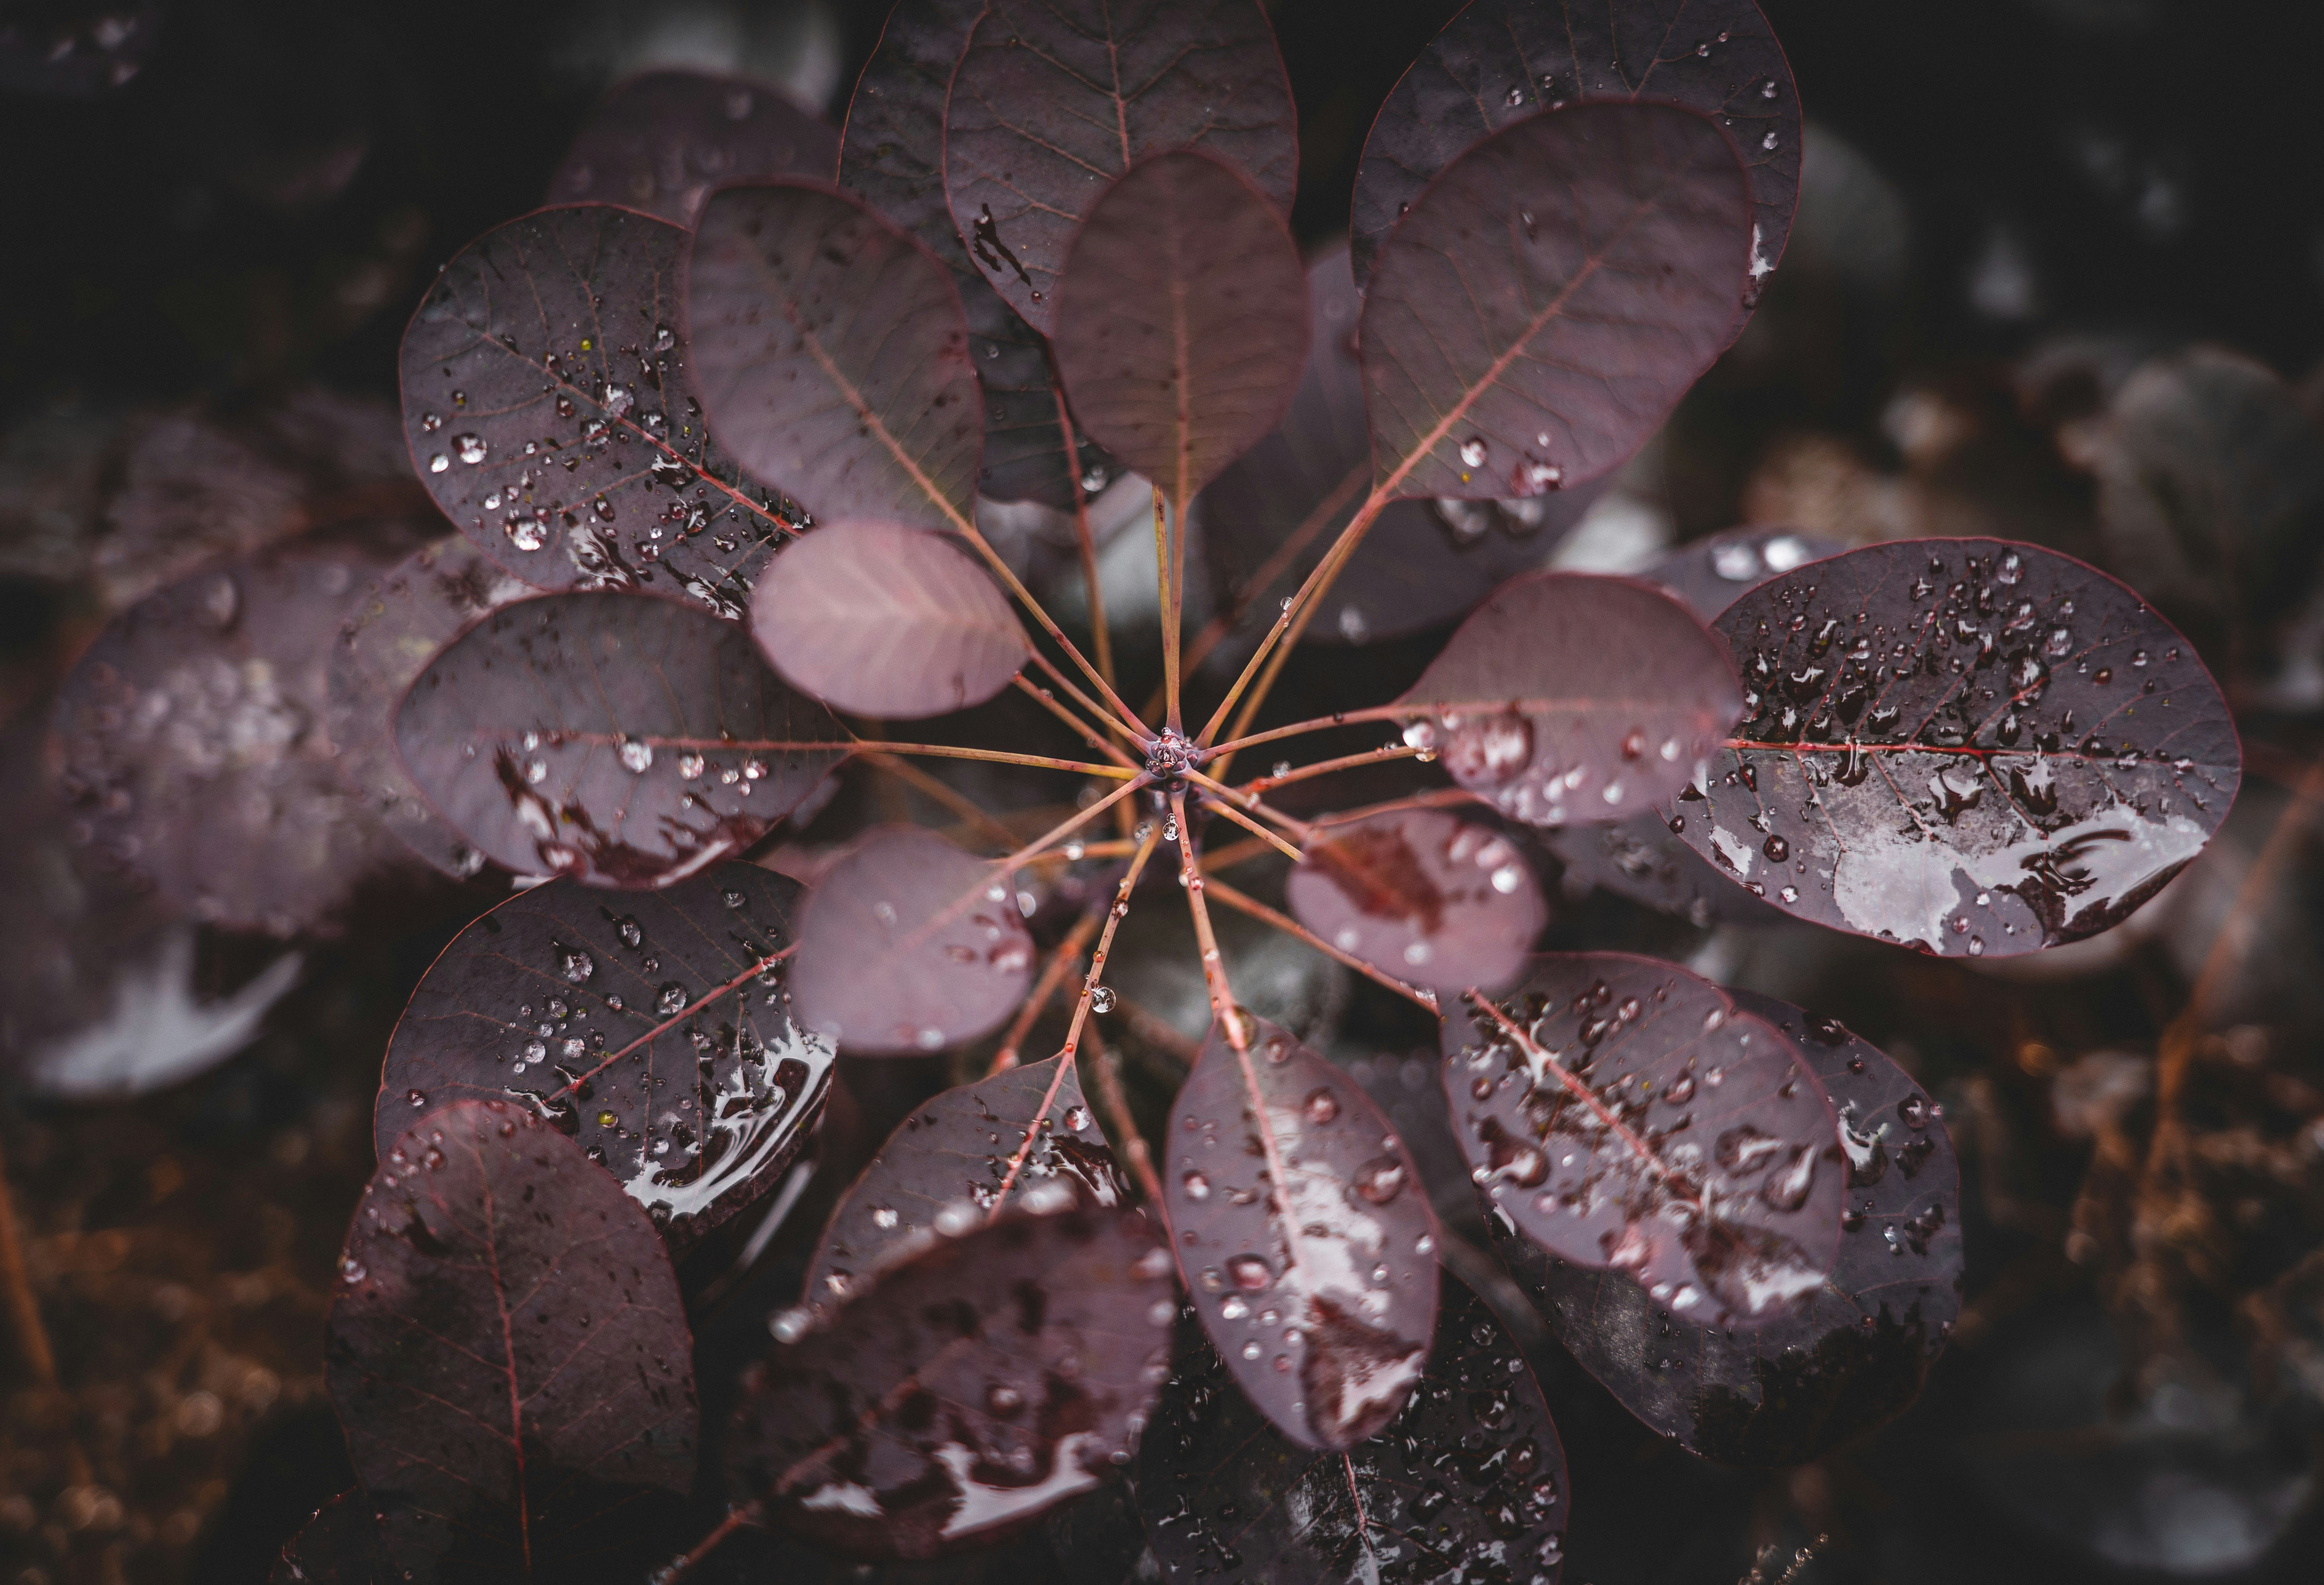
<point x="741" y="1516"/>
<point x="1260" y="784"/>
<point x="1220" y="807"/>
<point x="1008" y="863"/>
<point x="968" y="531"/>
<point x="1165" y="561"/>
<point x="1450" y="798"/>
<point x="1214" y="974"/>
<point x="1106" y="1072"/>
<point x="939" y="792"/>
<point x="1244" y="903"/>
<point x="1113" y="918"/>
<point x="1240" y="800"/>
<point x="1239" y="852"/>
<point x="996" y="757"/>
<point x="1088" y="733"/>
<point x="1319" y="723"/>
<point x="1053" y="974"/>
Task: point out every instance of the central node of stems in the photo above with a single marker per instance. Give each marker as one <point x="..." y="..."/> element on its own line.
<point x="1170" y="754"/>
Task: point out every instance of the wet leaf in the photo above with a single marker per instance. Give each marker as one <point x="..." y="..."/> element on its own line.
<point x="1639" y="859"/>
<point x="887" y="623"/>
<point x="509" y="1356"/>
<point x="1636" y="1121"/>
<point x="1181" y="319"/>
<point x="1568" y="698"/>
<point x="1710" y="574"/>
<point x="1052" y="102"/>
<point x="1027" y="1130"/>
<point x="552" y="413"/>
<point x="644" y="1027"/>
<point x="977" y="1385"/>
<point x="622" y="739"/>
<point x="1550" y="298"/>
<point x="1427" y="898"/>
<point x="1963" y="745"/>
<point x="1304" y="1235"/>
<point x="910" y="945"/>
<point x="1466" y="1485"/>
<point x="340" y="1545"/>
<point x="1499" y="62"/>
<point x="662" y="140"/>
<point x="1858" y="1352"/>
<point x="833" y="356"/>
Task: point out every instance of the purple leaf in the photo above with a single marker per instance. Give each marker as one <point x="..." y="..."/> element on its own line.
<point x="340" y="1545"/>
<point x="975" y="1386"/>
<point x="1570" y="698"/>
<point x="1467" y="1483"/>
<point x="1051" y="102"/>
<point x="1028" y="1129"/>
<point x="887" y="622"/>
<point x="1710" y="574"/>
<point x="910" y="945"/>
<point x="1550" y="298"/>
<point x="1305" y="1235"/>
<point x="662" y="140"/>
<point x="834" y="356"/>
<point x="509" y="1356"/>
<point x="1857" y="1354"/>
<point x="1429" y="898"/>
<point x="1640" y="859"/>
<point x="622" y="739"/>
<point x="655" y="1030"/>
<point x="552" y="413"/>
<point x="412" y="613"/>
<point x="1501" y="60"/>
<point x="1964" y="745"/>
<point x="1181" y="319"/>
<point x="1625" y="1116"/>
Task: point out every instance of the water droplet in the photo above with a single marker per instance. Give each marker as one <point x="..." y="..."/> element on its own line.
<point x="884" y="1217"/>
<point x="1379" y="1180"/>
<point x="637" y="756"/>
<point x="471" y="448"/>
<point x="671" y="999"/>
<point x="1473" y="451"/>
<point x="1197" y="1186"/>
<point x="1102" y="998"/>
<point x="1250" y="1273"/>
<point x="1321" y="1107"/>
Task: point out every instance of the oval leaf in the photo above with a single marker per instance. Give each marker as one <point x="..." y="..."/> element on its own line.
<point x="1639" y="859"/>
<point x="624" y="740"/>
<point x="509" y="1356"/>
<point x="1181" y="319"/>
<point x="1549" y="300"/>
<point x="1051" y="102"/>
<point x="1429" y="898"/>
<point x="552" y="414"/>
<point x="1471" y="1472"/>
<point x="662" y="140"/>
<point x="1625" y="1116"/>
<point x="1304" y="1235"/>
<point x="655" y="1029"/>
<point x="834" y="356"/>
<point x="340" y="1545"/>
<point x="1964" y="745"/>
<point x="1570" y="698"/>
<point x="887" y="622"/>
<point x="910" y="945"/>
<point x="979" y="1384"/>
<point x="1501" y="60"/>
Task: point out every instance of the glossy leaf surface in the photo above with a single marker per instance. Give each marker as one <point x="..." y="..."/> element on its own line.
<point x="834" y="357"/>
<point x="662" y="140"/>
<point x="644" y="1027"/>
<point x="509" y="1355"/>
<point x="887" y="622"/>
<point x="1639" y="859"/>
<point x="1427" y="898"/>
<point x="1466" y="1485"/>
<point x="1304" y="1235"/>
<point x="1570" y="698"/>
<point x="1963" y="745"/>
<point x="978" y="1383"/>
<point x="1710" y="574"/>
<point x="552" y="413"/>
<point x="620" y="740"/>
<point x="1181" y="319"/>
<point x="340" y="1545"/>
<point x="910" y="945"/>
<point x="1501" y="60"/>
<point x="1052" y="102"/>
<point x="1550" y="298"/>
<point x="1636" y="1121"/>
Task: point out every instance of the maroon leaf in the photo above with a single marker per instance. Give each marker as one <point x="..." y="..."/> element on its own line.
<point x="1710" y="574"/>
<point x="655" y="1029"/>
<point x="1429" y="898"/>
<point x="977" y="1385"/>
<point x="1181" y="319"/>
<point x="1857" y="1354"/>
<point x="1570" y="698"/>
<point x="509" y="1355"/>
<point x="340" y="1545"/>
<point x="1639" y="859"/>
<point x="1051" y="102"/>
<point x="1625" y="1116"/>
<point x="552" y="413"/>
<point x="1304" y="1235"/>
<point x="1501" y="60"/>
<point x="978" y="1145"/>
<point x="1550" y="298"/>
<point x="887" y="622"/>
<point x="834" y="356"/>
<point x="1963" y="745"/>
<point x="910" y="945"/>
<point x="663" y="139"/>
<point x="622" y="739"/>
<point x="1466" y="1482"/>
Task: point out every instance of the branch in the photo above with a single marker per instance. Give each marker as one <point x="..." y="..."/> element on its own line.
<point x="996" y="757"/>
<point x="1053" y="974"/>
<point x="1244" y="903"/>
